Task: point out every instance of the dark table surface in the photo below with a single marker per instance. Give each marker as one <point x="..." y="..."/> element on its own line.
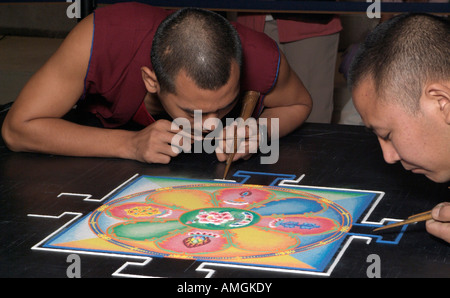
<point x="328" y="155"/>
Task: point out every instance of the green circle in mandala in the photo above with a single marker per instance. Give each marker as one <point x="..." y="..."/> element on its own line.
<point x="219" y="218"/>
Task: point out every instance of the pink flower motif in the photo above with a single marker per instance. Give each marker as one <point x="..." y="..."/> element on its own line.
<point x="214" y="217"/>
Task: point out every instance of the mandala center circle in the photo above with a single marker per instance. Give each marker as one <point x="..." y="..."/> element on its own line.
<point x="219" y="218"/>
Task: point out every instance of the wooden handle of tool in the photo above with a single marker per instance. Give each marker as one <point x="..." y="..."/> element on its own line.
<point x="248" y="106"/>
<point x="249" y="103"/>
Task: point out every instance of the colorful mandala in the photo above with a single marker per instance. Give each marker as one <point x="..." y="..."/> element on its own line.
<point x="220" y="221"/>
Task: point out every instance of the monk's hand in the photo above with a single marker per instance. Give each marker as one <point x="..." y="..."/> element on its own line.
<point x="439" y="226"/>
<point x="238" y="138"/>
<point x="160" y="142"/>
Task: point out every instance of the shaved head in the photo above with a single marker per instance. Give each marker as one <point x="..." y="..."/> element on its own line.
<point x="201" y="42"/>
<point x="403" y="54"/>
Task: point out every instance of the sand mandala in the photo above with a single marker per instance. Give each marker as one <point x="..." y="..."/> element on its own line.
<point x="263" y="226"/>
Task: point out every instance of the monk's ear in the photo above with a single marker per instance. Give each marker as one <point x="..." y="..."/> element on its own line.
<point x="150" y="80"/>
<point x="439" y="95"/>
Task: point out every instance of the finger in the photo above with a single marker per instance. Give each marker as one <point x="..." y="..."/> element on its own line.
<point x="247" y="146"/>
<point x="156" y="157"/>
<point x="176" y="149"/>
<point x="163" y="124"/>
<point x="166" y="143"/>
<point x="238" y="156"/>
<point x="181" y="143"/>
<point x="247" y="157"/>
<point x="168" y="149"/>
<point x="441" y="212"/>
<point x="242" y="132"/>
<point x="177" y="125"/>
<point x="211" y="124"/>
<point x="176" y="137"/>
<point x="221" y="156"/>
<point x="162" y="159"/>
<point x="163" y="131"/>
<point x="230" y="131"/>
<point x="247" y="131"/>
<point x="186" y="134"/>
<point x="167" y="137"/>
<point x="439" y="229"/>
<point x="252" y="145"/>
<point x="219" y="148"/>
<point x="230" y="145"/>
